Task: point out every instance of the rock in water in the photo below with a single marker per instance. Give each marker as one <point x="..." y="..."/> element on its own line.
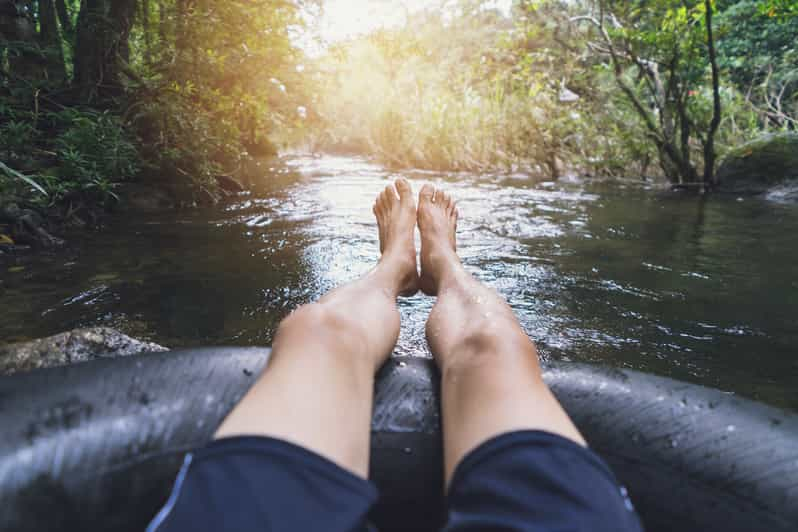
<point x="757" y="166"/>
<point x="78" y="345"/>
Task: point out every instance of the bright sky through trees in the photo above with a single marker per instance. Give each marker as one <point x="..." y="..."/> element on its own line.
<point x="343" y="19"/>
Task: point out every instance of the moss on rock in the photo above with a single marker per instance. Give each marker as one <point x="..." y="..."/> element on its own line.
<point x="760" y="164"/>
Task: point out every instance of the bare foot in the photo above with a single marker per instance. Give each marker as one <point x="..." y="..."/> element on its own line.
<point x="396" y="218"/>
<point x="437" y="222"/>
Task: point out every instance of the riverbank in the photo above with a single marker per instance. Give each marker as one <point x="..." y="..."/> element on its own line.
<point x="30" y="224"/>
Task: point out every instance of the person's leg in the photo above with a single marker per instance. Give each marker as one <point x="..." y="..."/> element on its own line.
<point x="491" y="378"/>
<point x="317" y="390"/>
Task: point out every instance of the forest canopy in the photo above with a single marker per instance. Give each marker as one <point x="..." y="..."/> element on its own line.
<point x="183" y="93"/>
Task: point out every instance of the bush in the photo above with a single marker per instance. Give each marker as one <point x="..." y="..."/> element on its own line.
<point x="74" y="155"/>
<point x="93" y="154"/>
<point x="16" y="138"/>
<point x="183" y="141"/>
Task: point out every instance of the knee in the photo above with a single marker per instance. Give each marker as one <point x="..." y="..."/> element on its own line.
<point x="322" y="322"/>
<point x="311" y="317"/>
<point x="495" y="345"/>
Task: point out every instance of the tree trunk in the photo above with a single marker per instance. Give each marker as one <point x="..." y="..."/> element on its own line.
<point x="709" y="146"/>
<point x="102" y="46"/>
<point x="18" y="31"/>
<point x="66" y="20"/>
<point x="144" y="16"/>
<point x="123" y="14"/>
<point x="180" y="27"/>
<point x="51" y="41"/>
<point x="89" y="54"/>
<point x="162" y="30"/>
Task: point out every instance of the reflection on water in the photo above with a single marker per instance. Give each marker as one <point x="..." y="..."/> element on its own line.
<point x="596" y="272"/>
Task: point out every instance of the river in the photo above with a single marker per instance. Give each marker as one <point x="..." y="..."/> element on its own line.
<point x="617" y="273"/>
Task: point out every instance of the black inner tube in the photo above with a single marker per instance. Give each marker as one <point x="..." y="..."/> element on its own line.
<point x="96" y="446"/>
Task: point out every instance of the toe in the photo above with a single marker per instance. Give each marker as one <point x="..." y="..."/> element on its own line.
<point x="426" y="194"/>
<point x="405" y="192"/>
<point x="390" y="196"/>
<point x="442" y="199"/>
<point x="381" y="208"/>
<point x="383" y="201"/>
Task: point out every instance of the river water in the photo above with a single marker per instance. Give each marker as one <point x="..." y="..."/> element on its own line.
<point x="609" y="272"/>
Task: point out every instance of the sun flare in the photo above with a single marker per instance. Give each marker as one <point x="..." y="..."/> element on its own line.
<point x="344" y="19"/>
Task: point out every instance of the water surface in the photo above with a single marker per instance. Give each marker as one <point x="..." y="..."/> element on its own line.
<point x="620" y="274"/>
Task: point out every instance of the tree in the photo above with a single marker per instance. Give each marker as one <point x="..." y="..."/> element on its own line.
<point x="780" y="8"/>
<point x="64" y="17"/>
<point x="19" y="40"/>
<point x="51" y="41"/>
<point x="659" y="56"/>
<point x="758" y="51"/>
<point x="102" y="50"/>
<point x="709" y="144"/>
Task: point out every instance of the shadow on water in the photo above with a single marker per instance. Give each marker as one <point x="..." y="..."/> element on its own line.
<point x="701" y="290"/>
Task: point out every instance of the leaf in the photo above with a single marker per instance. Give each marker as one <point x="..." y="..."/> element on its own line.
<point x="26" y="179"/>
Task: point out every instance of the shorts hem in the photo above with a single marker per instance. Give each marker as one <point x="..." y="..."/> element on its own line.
<point x="525" y="438"/>
<point x="278" y="448"/>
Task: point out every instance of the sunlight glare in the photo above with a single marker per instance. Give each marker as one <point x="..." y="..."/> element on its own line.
<point x="345" y="19"/>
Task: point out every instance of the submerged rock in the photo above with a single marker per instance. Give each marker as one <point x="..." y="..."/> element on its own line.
<point x="761" y="164"/>
<point x="26" y="227"/>
<point x="78" y="345"/>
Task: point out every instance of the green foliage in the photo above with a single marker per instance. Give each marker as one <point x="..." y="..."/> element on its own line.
<point x="70" y="154"/>
<point x="93" y="153"/>
<point x="95" y="145"/>
<point x="16" y="138"/>
<point x="180" y="143"/>
<point x="9" y="173"/>
<point x="170" y="91"/>
<point x="220" y="80"/>
<point x="412" y="99"/>
<point x="541" y="90"/>
<point x="759" y="51"/>
<point x="83" y="154"/>
<point x="782" y="9"/>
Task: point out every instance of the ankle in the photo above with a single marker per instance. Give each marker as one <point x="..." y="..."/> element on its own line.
<point x="400" y="259"/>
<point x="445" y="268"/>
<point x="397" y="275"/>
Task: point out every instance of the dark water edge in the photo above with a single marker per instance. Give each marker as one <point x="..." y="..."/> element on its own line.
<point x="703" y="290"/>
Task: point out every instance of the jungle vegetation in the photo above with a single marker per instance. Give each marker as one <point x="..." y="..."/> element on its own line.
<point x="654" y="88"/>
<point x="95" y="94"/>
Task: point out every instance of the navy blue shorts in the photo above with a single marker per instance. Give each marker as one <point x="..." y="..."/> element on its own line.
<point x="520" y="481"/>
